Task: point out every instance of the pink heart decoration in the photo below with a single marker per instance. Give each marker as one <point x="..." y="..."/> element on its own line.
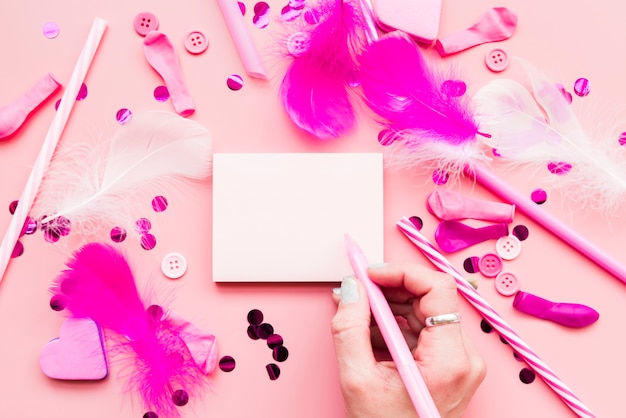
<point x="77" y="354"/>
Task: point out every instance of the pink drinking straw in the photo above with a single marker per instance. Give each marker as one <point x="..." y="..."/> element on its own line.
<point x="551" y="223"/>
<point x="495" y="320"/>
<point x="50" y="142"/>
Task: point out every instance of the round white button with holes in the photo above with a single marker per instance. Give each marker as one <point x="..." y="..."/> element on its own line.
<point x="173" y="265"/>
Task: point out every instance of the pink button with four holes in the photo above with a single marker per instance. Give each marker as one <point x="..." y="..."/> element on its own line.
<point x="196" y="42"/>
<point x="490" y="265"/>
<point x="507" y="284"/>
<point x="497" y="60"/>
<point x="145" y="22"/>
<point x="508" y="247"/>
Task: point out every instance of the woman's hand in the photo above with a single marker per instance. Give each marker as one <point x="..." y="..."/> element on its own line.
<point x="447" y="360"/>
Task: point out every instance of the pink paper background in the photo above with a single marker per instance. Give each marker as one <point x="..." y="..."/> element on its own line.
<point x="566" y="40"/>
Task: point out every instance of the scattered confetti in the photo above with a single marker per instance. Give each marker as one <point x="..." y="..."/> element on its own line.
<point x="82" y="92"/>
<point x="227" y="364"/>
<point x="159" y="203"/>
<point x="118" y="234"/>
<point x="148" y="241"/>
<point x="582" y="87"/>
<point x="471" y="264"/>
<point x="180" y="397"/>
<point x="261" y="15"/>
<point x="527" y="375"/>
<point x="559" y="167"/>
<point x="50" y="30"/>
<point x="520" y="232"/>
<point x="273" y="371"/>
<point x="123" y="116"/>
<point x="234" y="82"/>
<point x="539" y="196"/>
<point x="161" y="94"/>
<point x="453" y="88"/>
<point x="440" y="177"/>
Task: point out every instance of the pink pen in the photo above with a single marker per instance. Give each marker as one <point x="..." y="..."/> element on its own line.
<point x="398" y="348"/>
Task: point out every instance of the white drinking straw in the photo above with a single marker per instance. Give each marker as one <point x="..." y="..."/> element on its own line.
<point x="50" y="142"/>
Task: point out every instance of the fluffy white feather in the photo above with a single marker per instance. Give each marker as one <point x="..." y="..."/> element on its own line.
<point x="100" y="186"/>
<point x="531" y="131"/>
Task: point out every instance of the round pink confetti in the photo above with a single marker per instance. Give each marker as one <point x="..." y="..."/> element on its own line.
<point x="539" y="196"/>
<point x="312" y="17"/>
<point x="17" y="250"/>
<point x="159" y="203"/>
<point x="50" y="30"/>
<point x="118" y="234"/>
<point x="161" y="94"/>
<point x="440" y="177"/>
<point x="82" y="92"/>
<point x="582" y="87"/>
<point x="123" y="116"/>
<point x="289" y="14"/>
<point x="12" y="207"/>
<point x="261" y="15"/>
<point x="622" y="138"/>
<point x="143" y="225"/>
<point x="564" y="92"/>
<point x="453" y="88"/>
<point x="386" y="137"/>
<point x="242" y="7"/>
<point x="148" y="241"/>
<point x="234" y="82"/>
<point x="559" y="167"/>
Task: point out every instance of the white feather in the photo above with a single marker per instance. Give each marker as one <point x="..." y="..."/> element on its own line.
<point x="530" y="131"/>
<point x="100" y="186"/>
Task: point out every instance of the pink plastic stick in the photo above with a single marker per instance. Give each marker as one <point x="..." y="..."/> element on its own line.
<point x="495" y="320"/>
<point x="50" y="142"/>
<point x="551" y="223"/>
<point x="243" y="42"/>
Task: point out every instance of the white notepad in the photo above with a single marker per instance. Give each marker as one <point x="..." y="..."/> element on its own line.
<point x="282" y="217"/>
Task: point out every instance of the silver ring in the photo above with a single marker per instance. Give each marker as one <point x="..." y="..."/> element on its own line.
<point x="443" y="319"/>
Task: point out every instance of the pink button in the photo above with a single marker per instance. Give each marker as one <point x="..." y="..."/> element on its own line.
<point x="196" y="42"/>
<point x="507" y="284"/>
<point x="145" y="22"/>
<point x="508" y="247"/>
<point x="497" y="60"/>
<point x="298" y="43"/>
<point x="490" y="265"/>
<point x="173" y="265"/>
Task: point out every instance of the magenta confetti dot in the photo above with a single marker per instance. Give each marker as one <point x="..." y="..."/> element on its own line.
<point x="470" y="264"/>
<point x="63" y="225"/>
<point x="18" y="250"/>
<point x="440" y="177"/>
<point x="51" y="236"/>
<point x="261" y="15"/>
<point x="82" y="92"/>
<point x="118" y="234"/>
<point x="234" y="82"/>
<point x="150" y="414"/>
<point x="274" y="341"/>
<point x="161" y="94"/>
<point x="159" y="203"/>
<point x="148" y="241"/>
<point x="123" y="116"/>
<point x="143" y="225"/>
<point x="180" y="397"/>
<point x="517" y="357"/>
<point x="57" y="303"/>
<point x="559" y="167"/>
<point x="622" y="139"/>
<point x="253" y="332"/>
<point x="539" y="196"/>
<point x="265" y="330"/>
<point x="12" y="207"/>
<point x="386" y="137"/>
<point x="227" y="364"/>
<point x="582" y="87"/>
<point x="297" y="4"/>
<point x="312" y="17"/>
<point x="155" y="312"/>
<point x="50" y="30"/>
<point x="57" y="104"/>
<point x="242" y="7"/>
<point x="280" y="353"/>
<point x="289" y="14"/>
<point x="496" y="153"/>
<point x="255" y="317"/>
<point x="520" y="232"/>
<point x="527" y="375"/>
<point x="417" y="222"/>
<point x="485" y="326"/>
<point x="453" y="88"/>
<point x="273" y="371"/>
<point x="29" y="227"/>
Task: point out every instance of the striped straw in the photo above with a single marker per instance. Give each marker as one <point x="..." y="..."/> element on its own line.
<point x="49" y="144"/>
<point x="495" y="320"/>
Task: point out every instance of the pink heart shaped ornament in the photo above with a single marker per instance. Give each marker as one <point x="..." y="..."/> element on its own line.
<point x="77" y="354"/>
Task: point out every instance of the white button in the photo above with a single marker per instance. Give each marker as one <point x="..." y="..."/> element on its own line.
<point x="508" y="247"/>
<point x="173" y="265"/>
<point x="298" y="43"/>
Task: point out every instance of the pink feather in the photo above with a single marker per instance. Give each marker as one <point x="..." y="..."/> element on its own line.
<point x="425" y="122"/>
<point x="99" y="284"/>
<point x="314" y="89"/>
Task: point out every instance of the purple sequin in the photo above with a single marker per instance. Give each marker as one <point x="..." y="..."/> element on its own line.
<point x="82" y="92"/>
<point x="471" y="264"/>
<point x="386" y="137"/>
<point x="150" y="414"/>
<point x="18" y="249"/>
<point x="118" y="234"/>
<point x="57" y="303"/>
<point x="485" y="326"/>
<point x="274" y="341"/>
<point x="280" y="353"/>
<point x="50" y="30"/>
<point x="30" y="226"/>
<point x="539" y="196"/>
<point x="582" y="87"/>
<point x="123" y="116"/>
<point x="143" y="225"/>
<point x="180" y="397"/>
<point x="440" y="177"/>
<point x="159" y="203"/>
<point x="417" y="222"/>
<point x="559" y="167"/>
<point x="273" y="371"/>
<point x="261" y="14"/>
<point x="12" y="207"/>
<point x="526" y="375"/>
<point x="227" y="364"/>
<point x="265" y="330"/>
<point x="453" y="88"/>
<point x="622" y="139"/>
<point x="520" y="232"/>
<point x="148" y="241"/>
<point x="312" y="17"/>
<point x="234" y="82"/>
<point x="161" y="94"/>
<point x="253" y="332"/>
<point x="242" y="8"/>
<point x="255" y="317"/>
